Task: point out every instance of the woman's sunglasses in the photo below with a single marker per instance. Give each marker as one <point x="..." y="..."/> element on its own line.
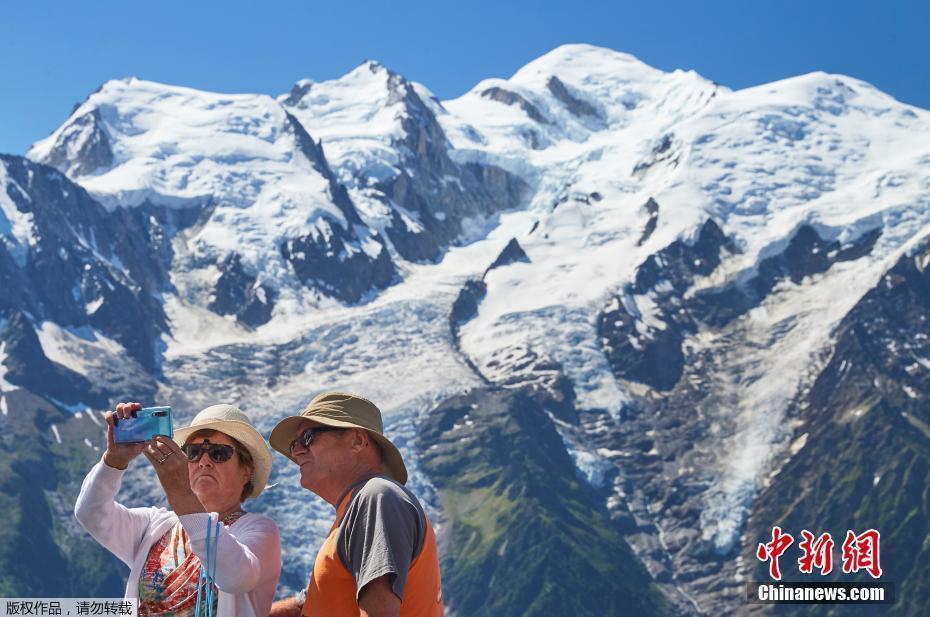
<point x="305" y="438"/>
<point x="219" y="453"/>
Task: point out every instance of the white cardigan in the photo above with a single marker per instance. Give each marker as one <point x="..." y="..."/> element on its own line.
<point x="248" y="554"/>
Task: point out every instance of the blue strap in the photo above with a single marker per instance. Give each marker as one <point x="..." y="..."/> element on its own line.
<point x="208" y="571"/>
<point x="212" y="558"/>
<point x="202" y="580"/>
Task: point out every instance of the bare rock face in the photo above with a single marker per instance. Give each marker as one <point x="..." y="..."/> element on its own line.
<point x="238" y="293"/>
<point x="27" y="366"/>
<point x="651" y="353"/>
<point x="806" y="254"/>
<point x="466" y="304"/>
<point x="441" y="194"/>
<point x="512" y="98"/>
<point x="511" y="254"/>
<point x="298" y="92"/>
<point x="652" y="209"/>
<point x="352" y="274"/>
<point x="333" y="262"/>
<point x="83" y="148"/>
<point x="580" y="108"/>
<point x="665" y="151"/>
<point x="101" y="269"/>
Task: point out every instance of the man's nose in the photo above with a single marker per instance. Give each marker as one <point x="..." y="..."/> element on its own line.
<point x="298" y="447"/>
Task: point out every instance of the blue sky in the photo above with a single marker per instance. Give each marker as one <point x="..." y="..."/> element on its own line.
<point x="53" y="54"/>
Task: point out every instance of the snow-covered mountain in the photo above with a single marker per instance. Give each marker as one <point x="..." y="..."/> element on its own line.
<point x="387" y="146"/>
<point x="271" y="219"/>
<point x="647" y="265"/>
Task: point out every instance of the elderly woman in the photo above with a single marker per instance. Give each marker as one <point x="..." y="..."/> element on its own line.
<point x="222" y="462"/>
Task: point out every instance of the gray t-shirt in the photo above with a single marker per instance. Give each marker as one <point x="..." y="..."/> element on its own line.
<point x="382" y="532"/>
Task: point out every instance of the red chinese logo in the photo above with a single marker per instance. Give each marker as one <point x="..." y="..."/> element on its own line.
<point x="861" y="553"/>
<point x="817" y="553"/>
<point x="773" y="550"/>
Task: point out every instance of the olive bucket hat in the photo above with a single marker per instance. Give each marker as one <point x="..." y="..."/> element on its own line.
<point x="231" y="421"/>
<point x="342" y="410"/>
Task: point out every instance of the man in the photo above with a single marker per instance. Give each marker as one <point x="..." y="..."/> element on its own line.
<point x="379" y="559"/>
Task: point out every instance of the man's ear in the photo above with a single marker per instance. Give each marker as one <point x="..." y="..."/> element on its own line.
<point x="359" y="438"/>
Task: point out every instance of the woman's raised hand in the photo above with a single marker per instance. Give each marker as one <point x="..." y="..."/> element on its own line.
<point x="119" y="455"/>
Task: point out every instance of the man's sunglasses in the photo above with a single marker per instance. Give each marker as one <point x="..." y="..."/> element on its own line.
<point x="219" y="453"/>
<point x="305" y="438"/>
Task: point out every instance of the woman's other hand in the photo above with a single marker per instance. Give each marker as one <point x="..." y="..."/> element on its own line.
<point x="171" y="465"/>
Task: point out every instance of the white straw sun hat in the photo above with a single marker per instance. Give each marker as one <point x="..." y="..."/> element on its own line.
<point x="231" y="421"/>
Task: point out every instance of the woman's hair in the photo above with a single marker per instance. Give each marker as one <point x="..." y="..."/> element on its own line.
<point x="245" y="458"/>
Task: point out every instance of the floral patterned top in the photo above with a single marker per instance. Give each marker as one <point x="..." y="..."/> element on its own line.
<point x="168" y="584"/>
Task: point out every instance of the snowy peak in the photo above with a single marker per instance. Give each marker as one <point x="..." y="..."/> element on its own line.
<point x="605" y="76"/>
<point x="570" y="94"/>
<point x="271" y="218"/>
<point x="365" y="108"/>
<point x="382" y="137"/>
<point x="369" y="85"/>
<point x="804" y="149"/>
<point x="136" y="140"/>
<point x="827" y="92"/>
<point x="585" y="63"/>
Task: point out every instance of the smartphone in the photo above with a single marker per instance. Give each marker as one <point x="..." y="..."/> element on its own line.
<point x="144" y="425"/>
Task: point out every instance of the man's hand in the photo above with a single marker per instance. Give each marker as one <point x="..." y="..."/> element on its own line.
<point x="285" y="608"/>
<point x="378" y="599"/>
<point x="119" y="455"/>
